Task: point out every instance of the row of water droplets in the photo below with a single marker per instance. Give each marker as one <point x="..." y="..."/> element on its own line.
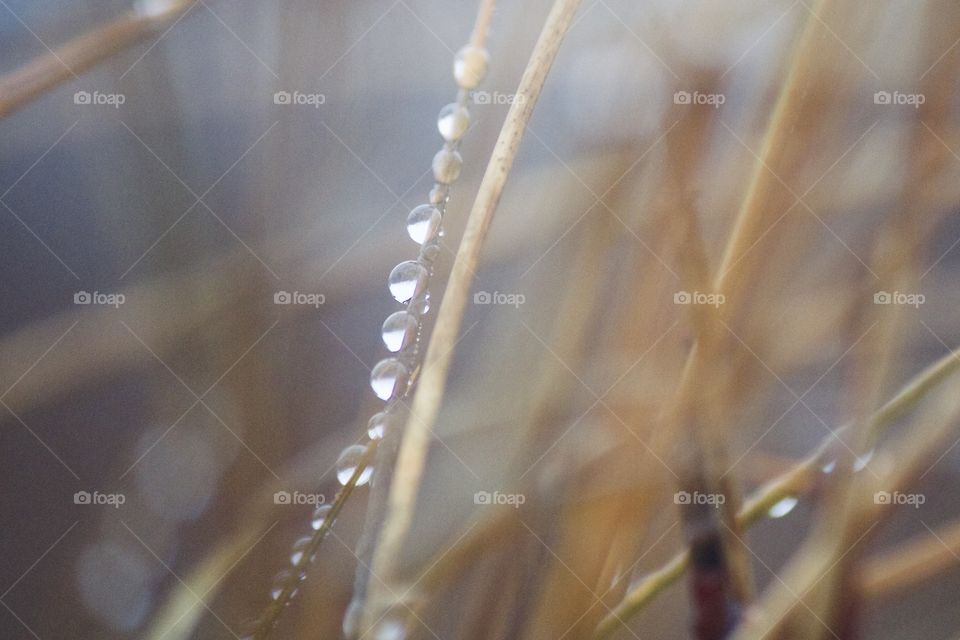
<point x="390" y="378"/>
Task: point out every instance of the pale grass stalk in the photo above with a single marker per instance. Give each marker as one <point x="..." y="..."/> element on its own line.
<point x="430" y="390"/>
<point x="913" y="562"/>
<point x="790" y="483"/>
<point x="51" y="69"/>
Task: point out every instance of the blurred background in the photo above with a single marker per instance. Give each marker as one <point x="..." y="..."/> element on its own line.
<point x="156" y="204"/>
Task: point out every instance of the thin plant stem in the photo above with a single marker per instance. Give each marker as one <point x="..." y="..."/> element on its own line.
<point x="429" y="394"/>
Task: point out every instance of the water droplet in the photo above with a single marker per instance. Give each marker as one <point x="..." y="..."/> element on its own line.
<point x="783" y="507"/>
<point x="453" y="121"/>
<point x="423" y="223"/>
<point x="429" y="252"/>
<point x="438" y="194"/>
<point x="347" y="465"/>
<point x="299" y="548"/>
<point x="280" y="582"/>
<point x="320" y="515"/>
<point x="422" y="306"/>
<point x="351" y="619"/>
<point x="829" y="467"/>
<point x="470" y="66"/>
<point x="377" y="427"/>
<point x="862" y="461"/>
<point x="388" y="378"/>
<point x="446" y="166"/>
<point x="389" y="630"/>
<point x="408" y="280"/>
<point x="399" y="330"/>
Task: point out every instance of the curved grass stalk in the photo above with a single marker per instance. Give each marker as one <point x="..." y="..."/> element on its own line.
<point x="790" y="483"/>
<point x="429" y="394"/>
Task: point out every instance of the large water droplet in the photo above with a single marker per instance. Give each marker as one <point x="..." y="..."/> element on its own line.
<point x="423" y="223"/>
<point x="446" y="166"/>
<point x="399" y="330"/>
<point x="453" y="121"/>
<point x="408" y="280"/>
<point x="320" y="515"/>
<point x="783" y="507"/>
<point x="388" y="378"/>
<point x="470" y="66"/>
<point x="347" y="465"/>
<point x="377" y="427"/>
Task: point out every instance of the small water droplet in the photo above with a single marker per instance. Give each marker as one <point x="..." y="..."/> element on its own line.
<point x="389" y="630"/>
<point x="783" y="507"/>
<point x="377" y="427"/>
<point x="430" y="252"/>
<point x="423" y="223"/>
<point x="453" y="121"/>
<point x="408" y="280"/>
<point x="347" y="465"/>
<point x="299" y="548"/>
<point x="422" y="306"/>
<point x="438" y="194"/>
<point x="399" y="330"/>
<point x="280" y="582"/>
<point x="862" y="461"/>
<point x="388" y="378"/>
<point x="320" y="515"/>
<point x="829" y="467"/>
